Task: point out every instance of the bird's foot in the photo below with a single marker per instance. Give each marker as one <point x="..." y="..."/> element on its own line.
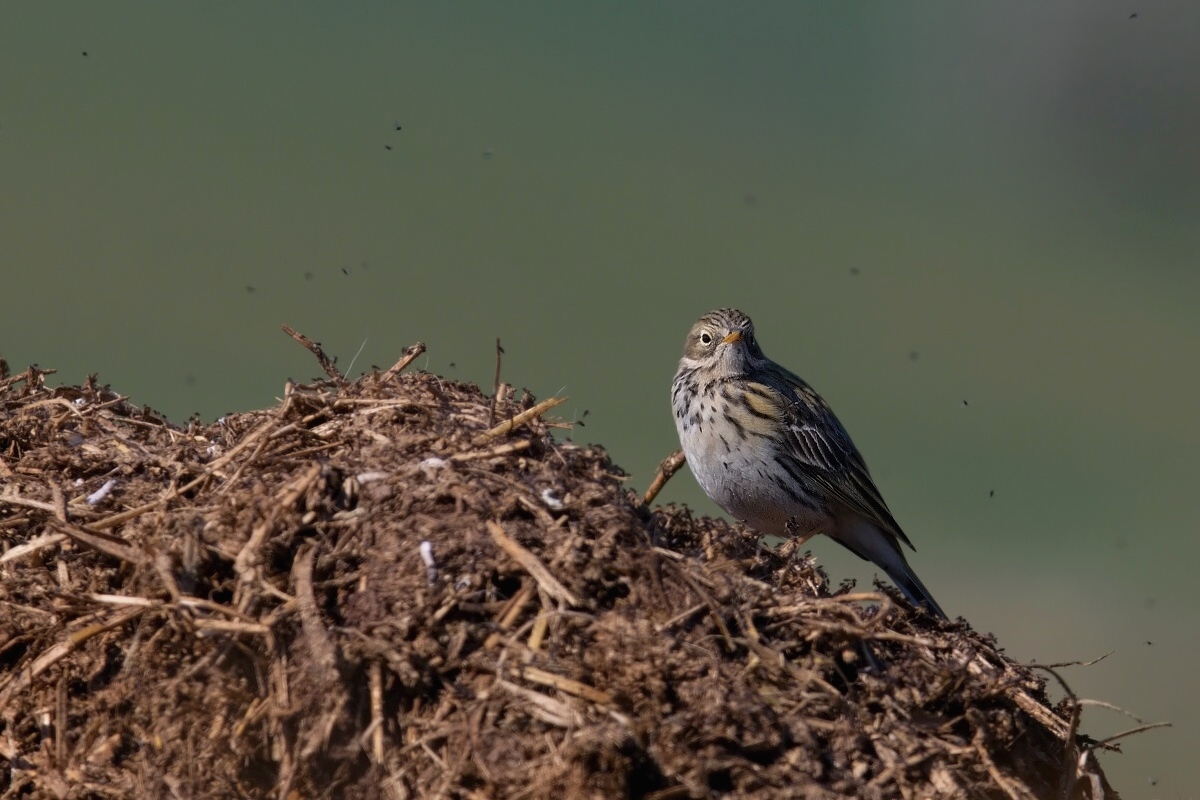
<point x="797" y="538"/>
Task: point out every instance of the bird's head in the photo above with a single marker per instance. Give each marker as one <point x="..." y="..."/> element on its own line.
<point x="722" y="341"/>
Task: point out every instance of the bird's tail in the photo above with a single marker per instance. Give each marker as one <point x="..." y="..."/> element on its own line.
<point x="867" y="541"/>
<point x="908" y="583"/>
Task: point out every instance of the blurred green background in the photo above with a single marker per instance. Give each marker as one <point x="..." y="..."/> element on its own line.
<point x="974" y="227"/>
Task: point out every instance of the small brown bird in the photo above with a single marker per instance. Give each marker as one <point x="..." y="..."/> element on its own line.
<point x="767" y="448"/>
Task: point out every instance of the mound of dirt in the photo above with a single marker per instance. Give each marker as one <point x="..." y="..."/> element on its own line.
<point x="400" y="588"/>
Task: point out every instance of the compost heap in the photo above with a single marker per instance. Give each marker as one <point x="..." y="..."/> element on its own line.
<point x="399" y="587"/>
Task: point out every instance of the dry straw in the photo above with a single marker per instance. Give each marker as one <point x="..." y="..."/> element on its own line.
<point x="398" y="587"/>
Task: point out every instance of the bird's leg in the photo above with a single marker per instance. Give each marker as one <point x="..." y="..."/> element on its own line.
<point x="796" y="538"/>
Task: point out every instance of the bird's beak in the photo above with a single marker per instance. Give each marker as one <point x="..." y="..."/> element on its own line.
<point x="736" y="336"/>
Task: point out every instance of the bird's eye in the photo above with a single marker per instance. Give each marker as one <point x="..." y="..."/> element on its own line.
<point x="706" y="338"/>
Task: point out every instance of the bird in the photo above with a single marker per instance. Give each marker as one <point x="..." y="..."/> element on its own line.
<point x="766" y="448"/>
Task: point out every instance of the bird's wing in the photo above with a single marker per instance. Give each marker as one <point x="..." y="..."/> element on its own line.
<point x="817" y="440"/>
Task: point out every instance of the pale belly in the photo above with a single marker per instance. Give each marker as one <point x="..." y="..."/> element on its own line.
<point x="748" y="485"/>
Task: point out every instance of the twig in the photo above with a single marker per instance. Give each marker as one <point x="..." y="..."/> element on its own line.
<point x="30" y="376"/>
<point x="319" y="644"/>
<point x="547" y="709"/>
<point x="14" y="499"/>
<point x="680" y="617"/>
<point x="671" y="554"/>
<point x="564" y="684"/>
<point x="538" y="634"/>
<point x="247" y="557"/>
<point x="110" y="545"/>
<point x="509" y="612"/>
<point x="30" y="547"/>
<point x="60" y="724"/>
<point x="330" y="369"/>
<point x="979" y="665"/>
<point x="532" y="565"/>
<point x="1083" y="701"/>
<point x="350" y="368"/>
<point x="1139" y="729"/>
<point x="280" y="702"/>
<point x="441" y="613"/>
<point x="375" y="678"/>
<point x="230" y="626"/>
<point x="1060" y="664"/>
<point x="254" y="712"/>
<point x="669" y="466"/>
<point x="123" y="600"/>
<point x="60" y="502"/>
<point x="520" y="419"/>
<point x="495" y="385"/>
<point x="218" y="608"/>
<point x="502" y="450"/>
<point x="116" y="401"/>
<point x="410" y="355"/>
<point x="13" y="522"/>
<point x="512" y="609"/>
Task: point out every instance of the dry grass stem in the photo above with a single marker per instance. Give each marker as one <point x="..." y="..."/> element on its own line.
<point x="669" y="466"/>
<point x="411" y="353"/>
<point x="535" y="675"/>
<point x="33" y="546"/>
<point x="548" y="583"/>
<point x="326" y="363"/>
<point x="508" y="426"/>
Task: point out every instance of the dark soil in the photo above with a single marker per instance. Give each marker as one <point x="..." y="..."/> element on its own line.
<point x="248" y="613"/>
